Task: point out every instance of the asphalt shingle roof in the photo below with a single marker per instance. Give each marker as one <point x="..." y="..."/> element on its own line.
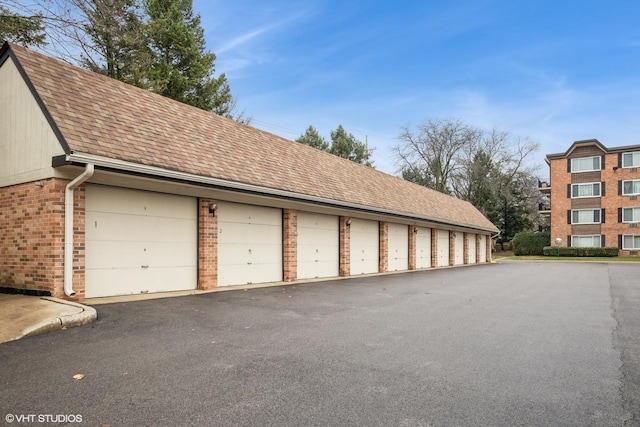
<point x="100" y="116"/>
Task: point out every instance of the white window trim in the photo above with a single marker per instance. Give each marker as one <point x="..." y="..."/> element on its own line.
<point x="628" y="180"/>
<point x="627" y="248"/>
<point x="587" y="170"/>
<point x="587" y="183"/>
<point x="592" y="236"/>
<point x="592" y="215"/>
<point x="632" y="221"/>
<point x="637" y="154"/>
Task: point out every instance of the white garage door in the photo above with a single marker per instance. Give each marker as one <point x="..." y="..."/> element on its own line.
<point x="318" y="245"/>
<point x="472" y="248"/>
<point x="443" y="248"/>
<point x="423" y="247"/>
<point x="459" y="248"/>
<point x="138" y="242"/>
<point x="364" y="246"/>
<point x="483" y="248"/>
<point x="249" y="244"/>
<point x="398" y="247"/>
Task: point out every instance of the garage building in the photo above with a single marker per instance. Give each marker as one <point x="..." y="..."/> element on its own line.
<point x="107" y="189"/>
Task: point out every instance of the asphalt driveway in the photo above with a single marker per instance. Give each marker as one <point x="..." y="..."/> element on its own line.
<point x="530" y="344"/>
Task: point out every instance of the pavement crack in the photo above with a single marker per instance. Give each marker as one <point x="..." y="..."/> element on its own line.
<point x="630" y="417"/>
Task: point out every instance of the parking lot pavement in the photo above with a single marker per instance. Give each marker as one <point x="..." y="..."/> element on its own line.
<point x="495" y="345"/>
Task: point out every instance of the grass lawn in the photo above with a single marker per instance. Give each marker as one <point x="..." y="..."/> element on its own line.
<point x="497" y="256"/>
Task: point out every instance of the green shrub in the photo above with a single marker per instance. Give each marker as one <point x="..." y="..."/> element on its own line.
<point x="580" y="252"/>
<point x="530" y="243"/>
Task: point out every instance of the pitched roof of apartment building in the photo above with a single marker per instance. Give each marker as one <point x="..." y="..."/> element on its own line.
<point x="591" y="143"/>
<point x="99" y="116"/>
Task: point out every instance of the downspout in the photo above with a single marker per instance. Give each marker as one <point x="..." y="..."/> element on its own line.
<point x="68" y="228"/>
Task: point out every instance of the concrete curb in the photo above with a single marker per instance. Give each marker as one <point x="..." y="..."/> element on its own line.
<point x="86" y="315"/>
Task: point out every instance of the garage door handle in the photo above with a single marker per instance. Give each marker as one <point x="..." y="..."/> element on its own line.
<point x="144" y="266"/>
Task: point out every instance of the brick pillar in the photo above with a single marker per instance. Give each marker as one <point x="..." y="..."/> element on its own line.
<point x="383" y="251"/>
<point x="478" y="249"/>
<point x="79" y="245"/>
<point x="466" y="249"/>
<point x="488" y="242"/>
<point x="290" y="244"/>
<point x="452" y="248"/>
<point x="207" y="245"/>
<point x="434" y="247"/>
<point x="413" y="230"/>
<point x="345" y="247"/>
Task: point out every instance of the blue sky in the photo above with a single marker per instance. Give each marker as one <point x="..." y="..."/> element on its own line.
<point x="551" y="71"/>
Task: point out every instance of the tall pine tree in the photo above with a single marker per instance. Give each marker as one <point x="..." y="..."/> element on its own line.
<point x="181" y="67"/>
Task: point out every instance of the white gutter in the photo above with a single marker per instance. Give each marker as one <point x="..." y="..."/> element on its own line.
<point x="68" y="228"/>
<point x="233" y="185"/>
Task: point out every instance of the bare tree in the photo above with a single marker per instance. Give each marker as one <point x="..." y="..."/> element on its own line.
<point x="428" y="154"/>
<point x="488" y="169"/>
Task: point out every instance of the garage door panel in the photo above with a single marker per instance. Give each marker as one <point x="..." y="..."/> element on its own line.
<point x="322" y="238"/>
<point x="459" y="248"/>
<point x="118" y="255"/>
<point x="365" y="249"/>
<point x="318" y="245"/>
<point x="483" y="248"/>
<point x="398" y="247"/>
<point x="247" y="234"/>
<point x="472" y="248"/>
<point x="250" y="244"/>
<point x="443" y="248"/>
<point x="423" y="247"/>
<point x="138" y="241"/>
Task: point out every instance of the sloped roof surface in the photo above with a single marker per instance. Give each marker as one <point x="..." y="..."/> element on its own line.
<point x="101" y="116"/>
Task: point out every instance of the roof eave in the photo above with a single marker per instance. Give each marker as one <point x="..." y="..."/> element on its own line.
<point x="167" y="174"/>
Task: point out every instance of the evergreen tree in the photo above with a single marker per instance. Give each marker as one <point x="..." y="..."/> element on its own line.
<point x="346" y="145"/>
<point x="27" y="31"/>
<point x="117" y="44"/>
<point x="312" y="138"/>
<point x="181" y="68"/>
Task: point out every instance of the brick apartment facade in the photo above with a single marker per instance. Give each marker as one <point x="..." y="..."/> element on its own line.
<point x="593" y="195"/>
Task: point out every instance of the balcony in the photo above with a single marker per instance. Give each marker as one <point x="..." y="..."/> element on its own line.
<point x="544" y="187"/>
<point x="544" y="209"/>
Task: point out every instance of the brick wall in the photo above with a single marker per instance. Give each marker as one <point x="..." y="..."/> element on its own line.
<point x="207" y="245"/>
<point x="345" y="247"/>
<point x="560" y="178"/>
<point x="613" y="201"/>
<point x="611" y="228"/>
<point x="412" y="247"/>
<point x="466" y="248"/>
<point x="434" y="247"/>
<point x="383" y="252"/>
<point x="452" y="248"/>
<point x="32" y="237"/>
<point x="290" y="244"/>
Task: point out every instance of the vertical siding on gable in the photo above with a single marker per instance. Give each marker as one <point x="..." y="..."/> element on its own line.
<point x="27" y="142"/>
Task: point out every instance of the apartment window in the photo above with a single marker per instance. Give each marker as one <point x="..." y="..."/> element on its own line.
<point x="591" y="189"/>
<point x="586" y="241"/>
<point x="630" y="188"/>
<point x="630" y="214"/>
<point x="586" y="164"/>
<point x="631" y="242"/>
<point x="631" y="160"/>
<point x="585" y="216"/>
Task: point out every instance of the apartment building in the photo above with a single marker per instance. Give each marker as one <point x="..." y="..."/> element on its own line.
<point x="593" y="196"/>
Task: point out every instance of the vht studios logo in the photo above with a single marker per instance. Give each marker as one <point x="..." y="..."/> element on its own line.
<point x="43" y="418"/>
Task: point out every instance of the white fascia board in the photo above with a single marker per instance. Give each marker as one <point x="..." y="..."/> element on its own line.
<point x="138" y="168"/>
